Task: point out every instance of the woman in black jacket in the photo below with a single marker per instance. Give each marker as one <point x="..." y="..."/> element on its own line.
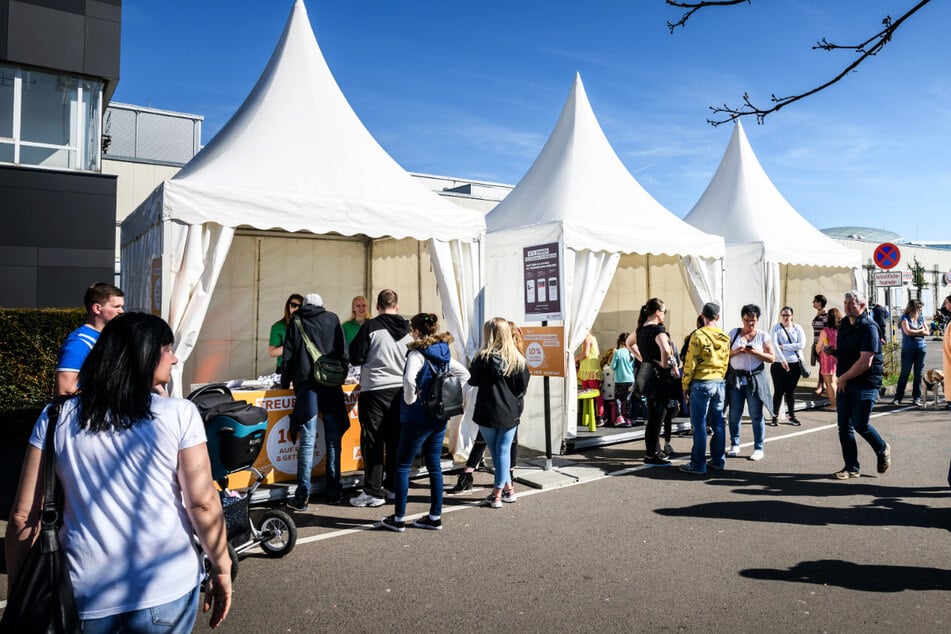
<point x="500" y="373"/>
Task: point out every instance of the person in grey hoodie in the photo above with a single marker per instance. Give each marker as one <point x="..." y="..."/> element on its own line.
<point x="380" y="349"/>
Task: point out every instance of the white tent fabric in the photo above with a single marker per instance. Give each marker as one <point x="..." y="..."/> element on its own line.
<point x="294" y="157"/>
<point x="578" y="193"/>
<point x="763" y="232"/>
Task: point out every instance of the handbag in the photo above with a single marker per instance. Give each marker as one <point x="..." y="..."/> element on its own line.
<point x="328" y="371"/>
<point x="41" y="599"/>
<point x="803" y="370"/>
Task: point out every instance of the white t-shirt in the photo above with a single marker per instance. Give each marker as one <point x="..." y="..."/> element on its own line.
<point x="127" y="536"/>
<point x="747" y="362"/>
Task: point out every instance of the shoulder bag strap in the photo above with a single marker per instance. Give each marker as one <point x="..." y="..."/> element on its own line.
<point x="311" y="348"/>
<point x="790" y="341"/>
<point x="50" y="516"/>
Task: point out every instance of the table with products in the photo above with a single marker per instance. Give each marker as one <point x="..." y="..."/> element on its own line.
<point x="279" y="453"/>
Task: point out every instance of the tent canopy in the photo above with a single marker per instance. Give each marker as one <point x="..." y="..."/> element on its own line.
<point x="742" y="205"/>
<point x="579" y="188"/>
<point x="578" y="193"/>
<point x="773" y="255"/>
<point x="296" y="157"/>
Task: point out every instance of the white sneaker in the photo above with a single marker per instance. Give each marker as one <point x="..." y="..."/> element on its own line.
<point x="757" y="455"/>
<point x="366" y="500"/>
<point x="734" y="451"/>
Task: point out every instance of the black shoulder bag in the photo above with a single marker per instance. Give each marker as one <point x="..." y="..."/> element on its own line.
<point x="328" y="371"/>
<point x="42" y="599"/>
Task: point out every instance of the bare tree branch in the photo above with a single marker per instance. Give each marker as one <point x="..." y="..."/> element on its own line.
<point x="866" y="49"/>
<point x="693" y="7"/>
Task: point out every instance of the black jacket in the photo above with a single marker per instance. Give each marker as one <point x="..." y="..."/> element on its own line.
<point x="323" y="328"/>
<point x="499" y="400"/>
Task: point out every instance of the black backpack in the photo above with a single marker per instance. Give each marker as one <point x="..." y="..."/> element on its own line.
<point x="446" y="398"/>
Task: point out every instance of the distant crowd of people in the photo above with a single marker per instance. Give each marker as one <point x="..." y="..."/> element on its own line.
<point x="717" y="376"/>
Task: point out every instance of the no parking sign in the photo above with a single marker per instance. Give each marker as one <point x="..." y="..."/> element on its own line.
<point x="887" y="255"/>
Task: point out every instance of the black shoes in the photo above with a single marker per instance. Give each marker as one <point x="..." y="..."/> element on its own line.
<point x="298" y="504"/>
<point x="773" y="422"/>
<point x="464" y="483"/>
<point x="885" y="459"/>
<point x="794" y="421"/>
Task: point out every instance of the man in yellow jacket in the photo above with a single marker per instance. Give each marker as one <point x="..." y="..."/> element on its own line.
<point x="705" y="366"/>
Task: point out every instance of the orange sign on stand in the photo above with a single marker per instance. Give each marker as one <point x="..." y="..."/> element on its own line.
<point x="278" y="450"/>
<point x="544" y="349"/>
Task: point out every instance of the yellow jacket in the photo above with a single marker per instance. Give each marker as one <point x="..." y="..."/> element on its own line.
<point x="708" y="355"/>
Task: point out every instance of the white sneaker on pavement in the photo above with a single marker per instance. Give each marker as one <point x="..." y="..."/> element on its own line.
<point x="757" y="454"/>
<point x="734" y="451"/>
<point x="366" y="500"/>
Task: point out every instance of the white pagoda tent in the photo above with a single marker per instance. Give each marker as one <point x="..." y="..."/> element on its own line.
<point x="618" y="247"/>
<point x="774" y="257"/>
<point x="293" y="195"/>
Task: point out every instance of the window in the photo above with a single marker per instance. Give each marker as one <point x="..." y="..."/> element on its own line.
<point x="49" y="120"/>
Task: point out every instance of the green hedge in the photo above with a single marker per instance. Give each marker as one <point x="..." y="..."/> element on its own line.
<point x="29" y="342"/>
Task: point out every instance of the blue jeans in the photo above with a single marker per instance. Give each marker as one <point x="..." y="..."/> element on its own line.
<point x="706" y="406"/>
<point x="853" y="408"/>
<point x="174" y="617"/>
<point x="499" y="442"/>
<point x="910" y="357"/>
<point x="738" y="396"/>
<point x="416" y="437"/>
<point x="328" y="401"/>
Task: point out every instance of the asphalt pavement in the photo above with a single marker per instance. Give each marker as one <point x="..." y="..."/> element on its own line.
<point x="775" y="545"/>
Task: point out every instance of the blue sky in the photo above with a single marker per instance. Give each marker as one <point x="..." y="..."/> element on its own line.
<point x="473" y="89"/>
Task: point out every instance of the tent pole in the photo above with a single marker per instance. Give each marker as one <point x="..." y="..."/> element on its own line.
<point x="546" y="396"/>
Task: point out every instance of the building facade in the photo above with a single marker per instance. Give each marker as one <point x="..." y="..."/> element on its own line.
<point x="59" y="65"/>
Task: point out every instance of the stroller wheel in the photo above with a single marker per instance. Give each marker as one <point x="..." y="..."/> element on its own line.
<point x="283" y="533"/>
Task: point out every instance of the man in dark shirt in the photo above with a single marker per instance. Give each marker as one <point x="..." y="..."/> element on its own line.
<point x="880" y="317"/>
<point x="859" y="369"/>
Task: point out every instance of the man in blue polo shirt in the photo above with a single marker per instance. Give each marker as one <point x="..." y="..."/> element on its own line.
<point x="859" y="370"/>
<point x="103" y="302"/>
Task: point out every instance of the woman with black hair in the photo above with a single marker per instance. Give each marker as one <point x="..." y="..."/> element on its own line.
<point x="750" y="350"/>
<point x="279" y="329"/>
<point x="658" y="376"/>
<point x="136" y="478"/>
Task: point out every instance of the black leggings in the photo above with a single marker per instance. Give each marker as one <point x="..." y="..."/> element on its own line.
<point x="784" y="385"/>
<point x="478" y="451"/>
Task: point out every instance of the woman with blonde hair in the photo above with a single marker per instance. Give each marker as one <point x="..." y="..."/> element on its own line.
<point x="501" y="374"/>
<point x="359" y="313"/>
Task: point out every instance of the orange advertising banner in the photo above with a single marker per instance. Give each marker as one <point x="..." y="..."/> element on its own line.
<point x="544" y="349"/>
<point x="281" y="454"/>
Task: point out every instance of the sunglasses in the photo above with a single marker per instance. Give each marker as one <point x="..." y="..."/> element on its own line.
<point x="294" y="304"/>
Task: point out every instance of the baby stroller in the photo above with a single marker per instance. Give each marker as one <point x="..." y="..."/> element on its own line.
<point x="235" y="433"/>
